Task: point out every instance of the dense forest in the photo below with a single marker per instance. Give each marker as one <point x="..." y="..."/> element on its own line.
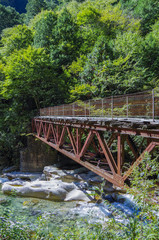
<point x="61" y="51"/>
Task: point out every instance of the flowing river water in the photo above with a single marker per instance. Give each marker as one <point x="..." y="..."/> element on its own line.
<point x="59" y="214"/>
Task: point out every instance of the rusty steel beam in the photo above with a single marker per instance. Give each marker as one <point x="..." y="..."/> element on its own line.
<point x="120" y="153"/>
<point x="95" y="152"/>
<point x="57" y="133"/>
<point x="86" y="144"/>
<point x="132" y="146"/>
<point x="54" y="134"/>
<point x="149" y="148"/>
<point x="78" y="140"/>
<point x="71" y="139"/>
<point x="147" y="133"/>
<point x="107" y="153"/>
<point x="112" y="138"/>
<point x="62" y="137"/>
<point x="115" y="179"/>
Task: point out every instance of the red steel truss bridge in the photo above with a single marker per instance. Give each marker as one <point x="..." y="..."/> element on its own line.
<point x="99" y="134"/>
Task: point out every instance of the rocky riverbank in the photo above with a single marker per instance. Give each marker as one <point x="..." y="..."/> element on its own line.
<point x="54" y="184"/>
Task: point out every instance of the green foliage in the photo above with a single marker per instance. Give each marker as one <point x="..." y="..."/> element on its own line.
<point x="43" y="25"/>
<point x="66" y="41"/>
<point x="150" y="59"/>
<point x="29" y="74"/>
<point x="143" y="185"/>
<point x="8" y="17"/>
<point x="82" y="92"/>
<point x="33" y="7"/>
<point x="14" y="39"/>
<point x="146" y="10"/>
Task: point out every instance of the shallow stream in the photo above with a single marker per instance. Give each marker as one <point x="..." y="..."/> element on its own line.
<point x="61" y="214"/>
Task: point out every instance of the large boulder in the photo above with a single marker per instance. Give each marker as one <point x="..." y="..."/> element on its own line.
<point x="55" y="190"/>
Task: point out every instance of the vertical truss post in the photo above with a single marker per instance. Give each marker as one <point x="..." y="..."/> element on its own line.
<point x="120" y="154"/>
<point x="57" y="134"/>
<point x="78" y="140"/>
<point x="45" y="130"/>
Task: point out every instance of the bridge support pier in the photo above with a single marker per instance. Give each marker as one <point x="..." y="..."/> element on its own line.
<point x="36" y="156"/>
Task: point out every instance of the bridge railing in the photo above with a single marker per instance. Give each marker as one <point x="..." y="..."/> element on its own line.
<point x="138" y="105"/>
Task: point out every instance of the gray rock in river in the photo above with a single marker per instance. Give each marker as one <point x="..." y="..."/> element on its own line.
<point x="55" y="190"/>
<point x="23" y="176"/>
<point x="76" y="175"/>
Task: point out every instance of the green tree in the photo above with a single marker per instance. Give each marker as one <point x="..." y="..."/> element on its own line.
<point x="66" y="42"/>
<point x="52" y="4"/>
<point x="8" y="17"/>
<point x="15" y="38"/>
<point x="29" y="76"/>
<point x="33" y="7"/>
<point x="150" y="58"/>
<point x="146" y="10"/>
<point x="43" y="26"/>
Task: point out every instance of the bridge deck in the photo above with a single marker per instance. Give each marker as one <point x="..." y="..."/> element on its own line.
<point x="104" y="121"/>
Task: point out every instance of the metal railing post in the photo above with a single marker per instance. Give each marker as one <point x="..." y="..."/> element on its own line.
<point x="63" y="110"/>
<point x="153" y="105"/>
<point x="89" y="108"/>
<point x="73" y="110"/>
<point x="85" y="109"/>
<point x="102" y="107"/>
<point x="127" y="105"/>
<point x="112" y="107"/>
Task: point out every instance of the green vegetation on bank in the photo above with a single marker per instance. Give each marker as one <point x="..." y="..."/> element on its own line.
<point x="63" y="51"/>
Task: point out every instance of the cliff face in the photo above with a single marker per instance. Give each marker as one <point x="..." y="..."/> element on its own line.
<point x="19" y="5"/>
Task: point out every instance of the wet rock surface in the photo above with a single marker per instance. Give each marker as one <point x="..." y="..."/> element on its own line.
<point x="77" y="175"/>
<point x="72" y="195"/>
<point x="58" y="185"/>
<point x="23" y="176"/>
<point x="55" y="190"/>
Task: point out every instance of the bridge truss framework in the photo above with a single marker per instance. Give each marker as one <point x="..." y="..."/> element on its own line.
<point x="89" y="142"/>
